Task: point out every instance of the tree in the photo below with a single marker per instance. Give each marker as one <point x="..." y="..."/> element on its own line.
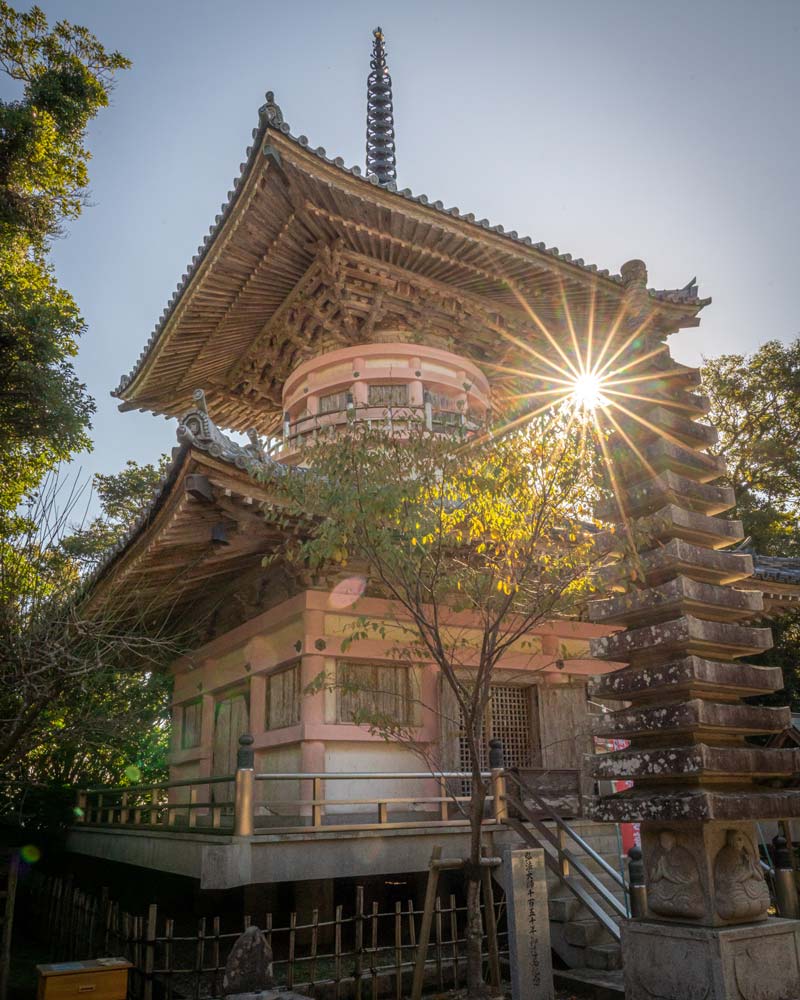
<point x="123" y="496"/>
<point x="83" y="696"/>
<point x="66" y="77"/>
<point x="477" y="544"/>
<point x="755" y="406"/>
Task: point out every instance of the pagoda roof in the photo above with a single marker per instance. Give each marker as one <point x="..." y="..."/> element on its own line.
<point x="297" y="220"/>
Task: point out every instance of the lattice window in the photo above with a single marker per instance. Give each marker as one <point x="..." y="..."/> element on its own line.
<point x="282" y="698"/>
<point x="334" y="402"/>
<point x="508" y="718"/>
<point x="190" y="729"/>
<point x="388" y="395"/>
<point x="367" y="688"/>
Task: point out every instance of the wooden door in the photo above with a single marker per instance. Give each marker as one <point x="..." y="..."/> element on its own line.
<point x="231" y="720"/>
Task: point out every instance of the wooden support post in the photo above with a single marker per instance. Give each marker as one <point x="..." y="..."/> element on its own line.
<point x="124" y="812"/>
<point x="383" y="812"/>
<point x="444" y="812"/>
<point x="427" y="922"/>
<point x="192" y="818"/>
<point x="245" y="788"/>
<point x="499" y="804"/>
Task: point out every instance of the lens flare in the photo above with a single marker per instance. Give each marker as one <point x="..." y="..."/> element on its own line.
<point x="132" y="773"/>
<point x="587" y="392"/>
<point x="30" y="854"/>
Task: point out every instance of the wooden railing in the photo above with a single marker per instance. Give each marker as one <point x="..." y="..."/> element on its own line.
<point x="248" y="802"/>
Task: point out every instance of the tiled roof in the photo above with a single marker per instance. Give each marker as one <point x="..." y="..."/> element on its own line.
<point x="271" y="117"/>
<point x="195" y="431"/>
<point x="777" y="569"/>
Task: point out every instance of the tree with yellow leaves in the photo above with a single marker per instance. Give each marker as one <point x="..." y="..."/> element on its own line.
<point x="478" y="543"/>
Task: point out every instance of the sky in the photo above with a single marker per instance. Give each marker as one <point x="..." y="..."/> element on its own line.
<point x="659" y="129"/>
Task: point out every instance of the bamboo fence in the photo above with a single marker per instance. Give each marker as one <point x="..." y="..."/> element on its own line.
<point x="362" y="953"/>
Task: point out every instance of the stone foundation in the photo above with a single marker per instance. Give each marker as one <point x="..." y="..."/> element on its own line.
<point x="678" y="962"/>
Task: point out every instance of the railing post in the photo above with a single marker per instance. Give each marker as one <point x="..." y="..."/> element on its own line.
<point x="636" y="884"/>
<point x="81" y="803"/>
<point x="316" y="808"/>
<point x="785" y="884"/>
<point x="498" y="781"/>
<point x="245" y="788"/>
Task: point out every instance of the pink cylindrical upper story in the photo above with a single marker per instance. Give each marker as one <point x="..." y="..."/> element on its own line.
<point x="380" y="381"/>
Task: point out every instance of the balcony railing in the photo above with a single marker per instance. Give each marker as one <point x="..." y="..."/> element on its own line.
<point x="247" y="802"/>
<point x="435" y="419"/>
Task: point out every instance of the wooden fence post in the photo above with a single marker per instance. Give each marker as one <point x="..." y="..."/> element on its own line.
<point x="150" y="950"/>
<point x="427" y="922"/>
<point x="244" y="789"/>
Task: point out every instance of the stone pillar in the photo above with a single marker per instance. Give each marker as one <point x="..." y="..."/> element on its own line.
<point x="698" y="785"/>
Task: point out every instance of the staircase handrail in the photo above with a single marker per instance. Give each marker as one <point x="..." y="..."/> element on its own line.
<point x="562" y="824"/>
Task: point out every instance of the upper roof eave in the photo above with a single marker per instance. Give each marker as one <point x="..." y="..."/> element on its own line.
<point x="271" y="121"/>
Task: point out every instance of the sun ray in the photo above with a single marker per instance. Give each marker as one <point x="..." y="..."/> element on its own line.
<point x="630" y="365"/>
<point x="649" y="399"/>
<point x="590" y="328"/>
<point x="571" y="328"/>
<point x="623" y="347"/>
<point x="660" y="431"/>
<point x="532" y="314"/>
<point x="629" y="441"/>
<point x="610" y="337"/>
<point x="651" y="377"/>
<point x="527" y="347"/>
<point x="528" y="373"/>
<point x="615" y="488"/>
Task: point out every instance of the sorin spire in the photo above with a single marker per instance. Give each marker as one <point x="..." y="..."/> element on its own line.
<point x="380" y="118"/>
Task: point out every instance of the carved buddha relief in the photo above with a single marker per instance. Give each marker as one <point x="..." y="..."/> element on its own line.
<point x="674" y="888"/>
<point x="740" y="892"/>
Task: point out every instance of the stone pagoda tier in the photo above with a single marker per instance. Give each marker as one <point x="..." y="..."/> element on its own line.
<point x="698" y="784"/>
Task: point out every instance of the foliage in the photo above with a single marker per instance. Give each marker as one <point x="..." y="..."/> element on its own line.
<point x="478" y="543"/>
<point x="82" y="692"/>
<point x="66" y="76"/>
<point x="755" y="406"/>
<point x="123" y="496"/>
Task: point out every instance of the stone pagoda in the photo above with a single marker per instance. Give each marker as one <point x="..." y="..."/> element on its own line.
<point x="698" y="782"/>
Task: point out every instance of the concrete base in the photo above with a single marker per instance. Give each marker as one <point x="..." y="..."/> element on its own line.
<point x="667" y="961"/>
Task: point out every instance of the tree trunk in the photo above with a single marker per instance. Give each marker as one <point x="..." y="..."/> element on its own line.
<point x="474" y="930"/>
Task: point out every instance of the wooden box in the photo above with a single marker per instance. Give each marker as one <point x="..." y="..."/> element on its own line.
<point x="94" y="979"/>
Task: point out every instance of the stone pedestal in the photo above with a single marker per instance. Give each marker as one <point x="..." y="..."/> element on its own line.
<point x="758" y="961"/>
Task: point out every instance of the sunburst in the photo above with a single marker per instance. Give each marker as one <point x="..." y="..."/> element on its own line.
<point x="589" y="371"/>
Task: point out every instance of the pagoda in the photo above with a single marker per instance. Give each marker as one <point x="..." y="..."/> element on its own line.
<point x="318" y="289"/>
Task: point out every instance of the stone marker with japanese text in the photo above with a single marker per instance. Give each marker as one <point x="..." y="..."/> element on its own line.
<point x="528" y="924"/>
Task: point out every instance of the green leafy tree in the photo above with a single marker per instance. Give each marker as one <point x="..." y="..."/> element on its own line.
<point x="477" y="545"/>
<point x="122" y="496"/>
<point x="83" y="695"/>
<point x="755" y="406"/>
<point x="65" y="76"/>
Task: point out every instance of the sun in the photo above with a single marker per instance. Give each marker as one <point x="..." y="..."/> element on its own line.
<point x="587" y="391"/>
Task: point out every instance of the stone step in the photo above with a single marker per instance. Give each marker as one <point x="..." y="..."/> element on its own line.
<point x="598" y="980"/>
<point x="604" y="956"/>
<point x="582" y="932"/>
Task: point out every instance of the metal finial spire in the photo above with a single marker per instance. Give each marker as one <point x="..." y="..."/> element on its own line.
<point x="380" y="118"/>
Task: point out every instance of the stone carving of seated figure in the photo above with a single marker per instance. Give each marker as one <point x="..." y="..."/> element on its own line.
<point x="674" y="885"/>
<point x="741" y="892"/>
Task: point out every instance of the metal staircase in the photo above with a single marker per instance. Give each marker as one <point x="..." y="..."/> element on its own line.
<point x="587" y="894"/>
